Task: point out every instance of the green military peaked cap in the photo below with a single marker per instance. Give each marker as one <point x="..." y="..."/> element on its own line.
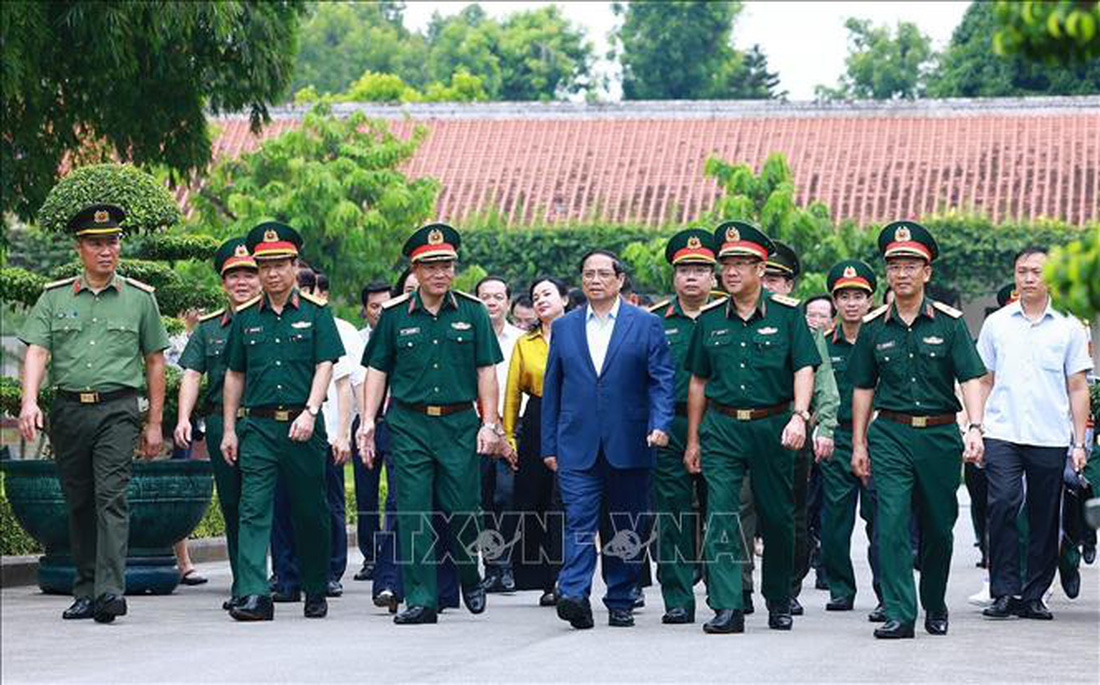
<point x="1007" y="295"/>
<point x="783" y="261"/>
<point x="96" y="220"/>
<point x="907" y="239"/>
<point x="691" y="246"/>
<point x="233" y="254"/>
<point x="851" y="273"/>
<point x="432" y="243"/>
<point x="742" y="238"/>
<point x="273" y="240"/>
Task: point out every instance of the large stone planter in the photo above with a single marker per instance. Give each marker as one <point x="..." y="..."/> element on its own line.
<point x="167" y="500"/>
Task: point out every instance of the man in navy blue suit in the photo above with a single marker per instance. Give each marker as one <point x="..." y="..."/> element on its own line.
<point x="607" y="402"/>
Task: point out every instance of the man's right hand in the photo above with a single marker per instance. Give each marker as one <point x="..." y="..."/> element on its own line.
<point x="183" y="434"/>
<point x="551" y="463"/>
<point x="229" y="447"/>
<point x="30" y="420"/>
<point x="365" y="440"/>
<point x="861" y="463"/>
<point x="692" y="459"/>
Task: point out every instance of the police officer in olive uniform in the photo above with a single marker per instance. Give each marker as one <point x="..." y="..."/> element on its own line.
<point x="780" y="272"/>
<point x="906" y="361"/>
<point x="751" y="358"/>
<point x="279" y="355"/>
<point x="852" y="284"/>
<point x="203" y="355"/>
<point x="95" y="331"/>
<point x="436" y="349"/>
<point x="692" y="256"/>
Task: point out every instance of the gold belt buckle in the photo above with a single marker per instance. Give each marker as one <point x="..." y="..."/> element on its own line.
<point x="434" y="410"/>
<point x="282" y="415"/>
<point x="89" y="397"/>
<point x="920" y="422"/>
<point x="744" y="415"/>
<point x="242" y="412"/>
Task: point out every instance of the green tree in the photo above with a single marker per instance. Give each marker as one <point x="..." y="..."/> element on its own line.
<point x="131" y="80"/>
<point x="542" y="56"/>
<point x="335" y="180"/>
<point x="751" y="79"/>
<point x="970" y="67"/>
<point x="467" y="40"/>
<point x="882" y="64"/>
<point x="1053" y="31"/>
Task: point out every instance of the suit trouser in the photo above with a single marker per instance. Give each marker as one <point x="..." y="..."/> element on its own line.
<point x="368" y="521"/>
<point x="674" y="491"/>
<point x="915" y="467"/>
<point x="227" y="478"/>
<point x="1006" y="464"/>
<point x="266" y="453"/>
<point x="730" y="448"/>
<point x="977" y="486"/>
<point x="584" y="494"/>
<point x="94" y="446"/>
<point x="841" y="492"/>
<point x="803" y="461"/>
<point x="497" y="495"/>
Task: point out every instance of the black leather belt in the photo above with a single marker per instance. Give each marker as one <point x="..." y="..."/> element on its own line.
<point x="435" y="409"/>
<point x="93" y="397"/>
<point x="281" y="414"/>
<point x="844" y="425"/>
<point x="748" y="414"/>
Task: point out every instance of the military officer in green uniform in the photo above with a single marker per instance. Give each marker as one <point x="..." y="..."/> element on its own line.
<point x="103" y="339"/>
<point x="692" y="256"/>
<point x="436" y="349"/>
<point x="279" y="357"/>
<point x="203" y="355"/>
<point x="780" y="272"/>
<point x="752" y="361"/>
<point x="852" y="284"/>
<point x="906" y="360"/>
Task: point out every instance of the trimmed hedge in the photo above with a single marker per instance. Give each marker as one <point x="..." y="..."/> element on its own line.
<point x="13" y="539"/>
<point x="175" y="295"/>
<point x="148" y="204"/>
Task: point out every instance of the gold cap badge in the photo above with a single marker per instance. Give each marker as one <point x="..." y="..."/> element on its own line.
<point x="694" y="243"/>
<point x="241" y="251"/>
<point x="902" y="235"/>
<point x="101" y="216"/>
<point x="849" y="272"/>
<point x="733" y="235"/>
<point x="271" y="236"/>
<point x="435" y="236"/>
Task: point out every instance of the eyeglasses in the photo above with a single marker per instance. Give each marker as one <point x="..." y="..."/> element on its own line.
<point x="907" y="269"/>
<point x="601" y="275"/>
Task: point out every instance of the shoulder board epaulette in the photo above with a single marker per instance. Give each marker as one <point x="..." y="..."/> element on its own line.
<point x="875" y="314"/>
<point x="468" y="296"/>
<point x="653" y="309"/>
<point x="312" y="298"/>
<point x="716" y="303"/>
<point x="138" y="284"/>
<point x="947" y="309"/>
<point x="396" y="300"/>
<point x="783" y="299"/>
<point x="211" y="315"/>
<point x="56" y="284"/>
<point x="251" y="302"/>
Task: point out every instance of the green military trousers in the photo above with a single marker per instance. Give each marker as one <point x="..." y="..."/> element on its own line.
<point x="674" y="498"/>
<point x="803" y="462"/>
<point x="227" y="478"/>
<point x="265" y="453"/>
<point x="94" y="447"/>
<point x="842" y="491"/>
<point x="921" y="468"/>
<point x="748" y="528"/>
<point x="435" y="456"/>
<point x="730" y="448"/>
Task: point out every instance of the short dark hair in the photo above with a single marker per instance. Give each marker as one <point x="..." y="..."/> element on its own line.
<point x="628" y="286"/>
<point x="615" y="263"/>
<point x="562" y="288"/>
<point x="322" y="281"/>
<point x="490" y="278"/>
<point x="306" y="278"/>
<point x="372" y="288"/>
<point x="521" y="301"/>
<point x="824" y="298"/>
<point x="1027" y="252"/>
<point x="577" y="298"/>
<point x="399" y="286"/>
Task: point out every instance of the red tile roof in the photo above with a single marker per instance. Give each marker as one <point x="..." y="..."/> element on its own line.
<point x="642" y="162"/>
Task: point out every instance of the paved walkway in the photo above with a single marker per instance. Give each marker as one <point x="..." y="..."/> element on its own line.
<point x="186" y="637"/>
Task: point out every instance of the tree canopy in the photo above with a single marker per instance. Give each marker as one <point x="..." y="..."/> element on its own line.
<point x="882" y="64"/>
<point x="78" y="80"/>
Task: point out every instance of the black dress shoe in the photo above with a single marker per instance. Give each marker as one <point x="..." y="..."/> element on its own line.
<point x="796" y="607"/>
<point x="334" y="588"/>
<point x="365" y="573"/>
<point x="878" y="614"/>
<point x="253" y="608"/>
<point x="415" y="616"/>
<point x="620" y="618"/>
<point x="474" y="598"/>
<point x="230" y="603"/>
<point x="1071" y="583"/>
<point x="548" y="599"/>
<point x="1088" y="554"/>
<point x="725" y="621"/>
<point x="639" y="598"/>
<point x="779" y="617"/>
<point x="577" y="611"/>
<point x="387" y="599"/>
<point x="108" y="607"/>
<point x="820" y="583"/>
<point x="82" y="607"/>
<point x="1033" y="609"/>
<point x="677" y="616"/>
<point x="491" y="582"/>
<point x="894" y="630"/>
<point x="507" y="580"/>
<point x="935" y="623"/>
<point x="1002" y="607"/>
<point x="316" y="606"/>
<point x="746" y="603"/>
<point x="840" y="604"/>
<point x="286" y="596"/>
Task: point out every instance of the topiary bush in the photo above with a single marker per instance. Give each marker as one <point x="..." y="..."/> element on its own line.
<point x="148" y="204"/>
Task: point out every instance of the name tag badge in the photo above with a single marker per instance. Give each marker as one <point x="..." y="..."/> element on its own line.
<point x="933" y="340"/>
<point x="254" y="329"/>
<point x="409" y="331"/>
<point x="301" y="324"/>
<point x="671" y="331"/>
<point x="768" y="331"/>
<point x="721" y="331"/>
<point x="889" y="344"/>
<point x="836" y="360"/>
<point x="461" y="326"/>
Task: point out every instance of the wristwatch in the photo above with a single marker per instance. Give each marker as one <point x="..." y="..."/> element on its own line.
<point x="802" y="414"/>
<point x="980" y="427"/>
<point x="493" y="427"/>
<point x="313" y="411"/>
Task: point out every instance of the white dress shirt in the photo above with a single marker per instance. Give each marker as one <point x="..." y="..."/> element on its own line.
<point x="349" y="366"/>
<point x="1030" y="362"/>
<point x="507" y="340"/>
<point x="598" y="330"/>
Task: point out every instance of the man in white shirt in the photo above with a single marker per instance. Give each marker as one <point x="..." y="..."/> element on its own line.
<point x="497" y="479"/>
<point x="1037" y="407"/>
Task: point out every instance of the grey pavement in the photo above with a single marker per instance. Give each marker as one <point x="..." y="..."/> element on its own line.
<point x="186" y="637"/>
